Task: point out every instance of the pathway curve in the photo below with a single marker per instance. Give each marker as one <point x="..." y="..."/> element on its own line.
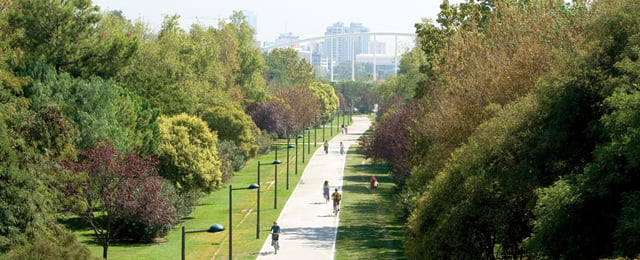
<point x="308" y="226"/>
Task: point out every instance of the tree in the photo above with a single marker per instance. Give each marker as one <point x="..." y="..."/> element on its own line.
<point x="274" y="116"/>
<point x="100" y="109"/>
<point x="234" y="125"/>
<point x="327" y="97"/>
<point x="69" y="36"/>
<point x="188" y="154"/>
<point x="252" y="63"/>
<point x="285" y="69"/>
<point x="107" y="186"/>
<point x="391" y="140"/>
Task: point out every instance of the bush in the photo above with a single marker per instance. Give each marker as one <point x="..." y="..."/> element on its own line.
<point x="64" y="246"/>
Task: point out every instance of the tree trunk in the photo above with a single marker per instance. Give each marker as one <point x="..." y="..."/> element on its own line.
<point x="105" y="247"/>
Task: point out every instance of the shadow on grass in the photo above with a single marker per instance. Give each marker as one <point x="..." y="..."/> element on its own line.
<point x="371" y="234"/>
<point x="76" y="225"/>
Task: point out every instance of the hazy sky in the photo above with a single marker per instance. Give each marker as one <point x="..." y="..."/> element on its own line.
<point x="302" y="18"/>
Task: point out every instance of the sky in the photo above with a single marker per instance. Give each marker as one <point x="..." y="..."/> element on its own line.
<point x="305" y="19"/>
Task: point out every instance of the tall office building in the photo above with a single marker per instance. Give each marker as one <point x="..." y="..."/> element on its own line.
<point x="339" y="50"/>
<point x="252" y="20"/>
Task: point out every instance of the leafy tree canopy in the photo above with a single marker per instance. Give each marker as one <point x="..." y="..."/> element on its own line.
<point x="188" y="153"/>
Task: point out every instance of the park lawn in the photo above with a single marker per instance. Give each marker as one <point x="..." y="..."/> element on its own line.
<point x="368" y="227"/>
<point x="214" y="209"/>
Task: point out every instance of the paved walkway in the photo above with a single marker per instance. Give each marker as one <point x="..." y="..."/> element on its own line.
<point x="308" y="225"/>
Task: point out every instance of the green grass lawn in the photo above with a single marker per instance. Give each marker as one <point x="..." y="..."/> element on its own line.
<point x="368" y="227"/>
<point x="214" y="209"/>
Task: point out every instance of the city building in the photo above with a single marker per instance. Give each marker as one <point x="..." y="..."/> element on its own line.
<point x="340" y="50"/>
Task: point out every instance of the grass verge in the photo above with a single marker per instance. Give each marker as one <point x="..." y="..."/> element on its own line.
<point x="368" y="227"/>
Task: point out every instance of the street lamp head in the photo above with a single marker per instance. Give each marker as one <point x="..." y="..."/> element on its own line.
<point x="276" y="162"/>
<point x="253" y="186"/>
<point x="215" y="228"/>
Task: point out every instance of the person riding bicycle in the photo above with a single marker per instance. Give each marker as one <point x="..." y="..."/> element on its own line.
<point x="336" y="196"/>
<point x="275" y="237"/>
<point x="325" y="191"/>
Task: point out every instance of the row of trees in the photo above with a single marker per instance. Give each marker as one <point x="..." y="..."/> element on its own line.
<point x="126" y="127"/>
<point x="520" y="139"/>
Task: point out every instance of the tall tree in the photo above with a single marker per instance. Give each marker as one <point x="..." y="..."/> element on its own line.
<point x="69" y="36"/>
<point x="285" y="69"/>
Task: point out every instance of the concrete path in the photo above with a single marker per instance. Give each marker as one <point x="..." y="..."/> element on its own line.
<point x="307" y="223"/>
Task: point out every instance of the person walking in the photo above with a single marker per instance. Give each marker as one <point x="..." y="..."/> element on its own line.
<point x="275" y="237"/>
<point x="337" y="197"/>
<point x="373" y="184"/>
<point x="325" y="191"/>
<point x="326" y="147"/>
<point x="341" y="148"/>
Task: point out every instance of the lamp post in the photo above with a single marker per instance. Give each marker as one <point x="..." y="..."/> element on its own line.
<point x="315" y="133"/>
<point x="308" y="144"/>
<point x="275" y="194"/>
<point x="298" y="137"/>
<point x="251" y="187"/>
<point x="331" y="125"/>
<point x="213" y="229"/>
<point x="289" y="146"/>
<point x="258" y="209"/>
<point x="323" y="122"/>
<point x="338" y="125"/>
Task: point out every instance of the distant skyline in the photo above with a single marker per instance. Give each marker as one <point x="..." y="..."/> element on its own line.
<point x="305" y="19"/>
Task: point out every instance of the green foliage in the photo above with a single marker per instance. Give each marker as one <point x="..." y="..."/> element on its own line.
<point x="188" y="153"/>
<point x="99" y="109"/>
<point x="356" y="94"/>
<point x="26" y="200"/>
<point x="252" y="63"/>
<point x="234" y="125"/>
<point x="64" y="246"/>
<point x="285" y="69"/>
<point x="231" y="159"/>
<point x="481" y="61"/>
<point x="556" y="169"/>
<point x="325" y="93"/>
<point x="69" y="36"/>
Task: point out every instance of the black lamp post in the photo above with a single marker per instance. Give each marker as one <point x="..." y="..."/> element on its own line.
<point x="258" y="209"/>
<point x="331" y="125"/>
<point x="275" y="194"/>
<point x="289" y="146"/>
<point x="251" y="187"/>
<point x="338" y="125"/>
<point x="298" y="137"/>
<point x="213" y="229"/>
<point x="308" y="144"/>
<point x="323" y="122"/>
<point x="315" y="133"/>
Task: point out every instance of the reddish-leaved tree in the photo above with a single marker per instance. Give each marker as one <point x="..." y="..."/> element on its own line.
<point x="109" y="188"/>
<point x="392" y="140"/>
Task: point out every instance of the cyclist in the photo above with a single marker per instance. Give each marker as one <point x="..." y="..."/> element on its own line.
<point x="325" y="191"/>
<point x="275" y="237"/>
<point x="336" y="196"/>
